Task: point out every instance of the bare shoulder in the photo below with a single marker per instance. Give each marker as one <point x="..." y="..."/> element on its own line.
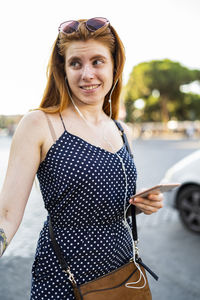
<point x="32" y="125"/>
<point x="35" y="117"/>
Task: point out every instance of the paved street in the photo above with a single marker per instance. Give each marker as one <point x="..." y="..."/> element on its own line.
<point x="169" y="249"/>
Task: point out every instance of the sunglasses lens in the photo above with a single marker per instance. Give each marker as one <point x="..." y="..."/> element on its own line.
<point x="96" y="23"/>
<point x="69" y="27"/>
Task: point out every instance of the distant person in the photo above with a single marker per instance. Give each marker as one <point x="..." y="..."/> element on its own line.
<point x="190" y="131"/>
<point x="75" y="147"/>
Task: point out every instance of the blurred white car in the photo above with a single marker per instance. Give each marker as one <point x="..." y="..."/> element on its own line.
<point x="186" y="198"/>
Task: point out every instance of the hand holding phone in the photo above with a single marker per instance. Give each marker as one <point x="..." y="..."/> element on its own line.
<point x="160" y="188"/>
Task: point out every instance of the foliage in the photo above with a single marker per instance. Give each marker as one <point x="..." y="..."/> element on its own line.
<point x="166" y="77"/>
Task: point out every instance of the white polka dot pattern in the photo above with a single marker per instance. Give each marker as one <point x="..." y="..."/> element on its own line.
<point x="83" y="188"/>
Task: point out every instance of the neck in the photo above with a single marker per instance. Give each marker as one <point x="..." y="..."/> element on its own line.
<point x="92" y="114"/>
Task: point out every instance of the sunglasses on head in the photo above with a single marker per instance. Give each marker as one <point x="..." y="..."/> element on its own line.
<point x="91" y="24"/>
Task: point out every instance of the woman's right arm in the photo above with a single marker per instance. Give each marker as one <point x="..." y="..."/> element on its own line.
<point x="24" y="160"/>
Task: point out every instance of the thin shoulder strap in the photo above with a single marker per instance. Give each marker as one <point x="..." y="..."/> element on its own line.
<point x="62" y="121"/>
<point x="125" y="140"/>
<point x="53" y="134"/>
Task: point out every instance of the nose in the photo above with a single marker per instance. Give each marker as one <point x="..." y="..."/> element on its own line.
<point x="87" y="72"/>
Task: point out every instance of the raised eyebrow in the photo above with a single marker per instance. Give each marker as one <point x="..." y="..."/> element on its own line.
<point x="73" y="58"/>
<point x="99" y="57"/>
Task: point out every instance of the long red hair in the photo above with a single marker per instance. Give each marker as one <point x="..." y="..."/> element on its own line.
<point x="56" y="97"/>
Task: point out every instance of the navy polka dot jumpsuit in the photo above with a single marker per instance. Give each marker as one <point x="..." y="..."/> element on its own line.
<point x="83" y="188"/>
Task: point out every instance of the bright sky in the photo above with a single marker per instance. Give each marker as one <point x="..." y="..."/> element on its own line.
<point x="149" y="29"/>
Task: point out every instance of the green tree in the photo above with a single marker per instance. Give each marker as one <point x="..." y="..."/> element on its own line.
<point x="164" y="76"/>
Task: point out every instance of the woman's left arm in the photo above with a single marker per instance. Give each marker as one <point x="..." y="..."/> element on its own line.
<point x="154" y="201"/>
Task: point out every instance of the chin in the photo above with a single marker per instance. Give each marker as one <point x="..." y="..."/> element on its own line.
<point x="90" y="99"/>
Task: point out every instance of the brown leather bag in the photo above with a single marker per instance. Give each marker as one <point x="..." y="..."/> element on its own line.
<point x="112" y="285"/>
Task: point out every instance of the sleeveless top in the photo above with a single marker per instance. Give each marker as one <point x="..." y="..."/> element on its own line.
<point x="83" y="188"/>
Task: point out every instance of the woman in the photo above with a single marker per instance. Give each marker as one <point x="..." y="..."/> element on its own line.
<point x="86" y="175"/>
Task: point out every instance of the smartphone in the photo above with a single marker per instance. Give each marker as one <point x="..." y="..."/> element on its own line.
<point x="160" y="187"/>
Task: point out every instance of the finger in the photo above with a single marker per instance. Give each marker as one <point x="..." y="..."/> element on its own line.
<point x="148" y="202"/>
<point x="155" y="192"/>
<point x="156" y="197"/>
<point x="146" y="208"/>
<point x="149" y="206"/>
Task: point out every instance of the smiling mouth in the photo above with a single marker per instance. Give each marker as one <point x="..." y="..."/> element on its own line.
<point x="90" y="87"/>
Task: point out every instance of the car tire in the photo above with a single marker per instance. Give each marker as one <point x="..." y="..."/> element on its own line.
<point x="189" y="207"/>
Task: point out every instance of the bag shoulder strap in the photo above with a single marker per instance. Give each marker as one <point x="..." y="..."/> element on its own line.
<point x="56" y="247"/>
<point x="133" y="208"/>
<point x="124" y="137"/>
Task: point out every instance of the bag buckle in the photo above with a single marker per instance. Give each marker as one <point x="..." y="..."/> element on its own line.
<point x="70" y="275"/>
<point x="136" y="248"/>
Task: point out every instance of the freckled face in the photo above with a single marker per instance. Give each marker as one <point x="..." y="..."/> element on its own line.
<point x="89" y="70"/>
